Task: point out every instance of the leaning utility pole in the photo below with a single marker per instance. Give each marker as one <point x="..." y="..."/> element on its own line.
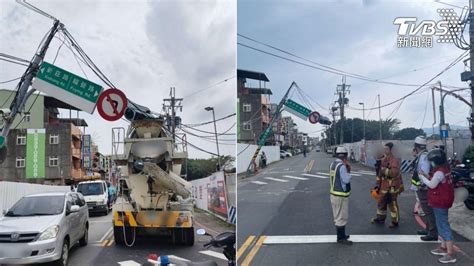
<point x="170" y="106"/>
<point x="266" y="132"/>
<point x="341" y="90"/>
<point x="23" y="94"/>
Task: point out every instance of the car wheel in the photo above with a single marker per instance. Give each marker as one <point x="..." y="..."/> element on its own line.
<point x="83" y="241"/>
<point x="64" y="254"/>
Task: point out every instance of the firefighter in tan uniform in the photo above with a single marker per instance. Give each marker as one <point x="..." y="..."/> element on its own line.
<point x="389" y="185"/>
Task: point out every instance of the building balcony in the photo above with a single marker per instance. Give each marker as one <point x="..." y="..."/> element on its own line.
<point x="265" y="119"/>
<point x="76" y="152"/>
<point x="77" y="173"/>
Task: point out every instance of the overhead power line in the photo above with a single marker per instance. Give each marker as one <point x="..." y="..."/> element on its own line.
<point x="318" y="66"/>
<point x="209" y="122"/>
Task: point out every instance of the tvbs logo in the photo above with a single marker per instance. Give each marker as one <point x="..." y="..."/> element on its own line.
<point x="414" y="34"/>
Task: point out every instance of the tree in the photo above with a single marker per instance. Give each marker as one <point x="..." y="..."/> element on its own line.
<point x="409" y="133"/>
<point x="356" y="132"/>
<point x="200" y="168"/>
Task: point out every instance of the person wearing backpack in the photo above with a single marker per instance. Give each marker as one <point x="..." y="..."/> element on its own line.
<point x="421" y="164"/>
<point x="440" y="198"/>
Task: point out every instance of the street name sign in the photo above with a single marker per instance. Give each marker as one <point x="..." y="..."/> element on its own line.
<point x="112" y="104"/>
<point x="297" y="109"/>
<point x="265" y="136"/>
<point x="67" y="87"/>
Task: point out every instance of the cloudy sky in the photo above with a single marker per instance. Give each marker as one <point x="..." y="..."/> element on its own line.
<point x="358" y="37"/>
<point x="144" y="48"/>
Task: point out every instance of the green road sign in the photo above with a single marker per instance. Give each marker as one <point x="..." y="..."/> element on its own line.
<point x="2" y="141"/>
<point x="297" y="109"/>
<point x="265" y="136"/>
<point x="67" y="87"/>
<point x="35" y="153"/>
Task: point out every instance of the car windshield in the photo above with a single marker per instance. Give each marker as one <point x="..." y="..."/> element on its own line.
<point x="37" y="205"/>
<point x="90" y="189"/>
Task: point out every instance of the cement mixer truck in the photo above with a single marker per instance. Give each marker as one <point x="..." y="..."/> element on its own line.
<point x="153" y="199"/>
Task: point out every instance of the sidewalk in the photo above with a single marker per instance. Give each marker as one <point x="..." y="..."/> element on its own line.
<point x="212" y="224"/>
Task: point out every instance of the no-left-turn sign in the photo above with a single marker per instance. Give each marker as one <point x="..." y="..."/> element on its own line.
<point x="313" y="117"/>
<point x="111" y="104"/>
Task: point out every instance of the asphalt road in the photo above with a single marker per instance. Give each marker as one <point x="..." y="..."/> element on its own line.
<point x="102" y="250"/>
<point x="285" y="218"/>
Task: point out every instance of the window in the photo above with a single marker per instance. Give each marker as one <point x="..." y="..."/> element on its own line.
<point x="53" y="139"/>
<point x="20" y="162"/>
<point x="247" y="107"/>
<point x="27" y="117"/>
<point x="21" y="140"/>
<point x="247" y="126"/>
<point x="53" y="161"/>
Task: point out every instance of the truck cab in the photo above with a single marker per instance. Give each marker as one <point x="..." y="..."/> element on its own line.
<point x="96" y="195"/>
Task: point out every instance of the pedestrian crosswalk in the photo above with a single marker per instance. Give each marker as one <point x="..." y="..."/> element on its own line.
<point x="302" y="177"/>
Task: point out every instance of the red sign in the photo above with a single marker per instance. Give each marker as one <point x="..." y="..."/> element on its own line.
<point x="313" y="117"/>
<point x="111" y="104"/>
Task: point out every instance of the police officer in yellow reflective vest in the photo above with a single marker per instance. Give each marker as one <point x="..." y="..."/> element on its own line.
<point x="340" y="190"/>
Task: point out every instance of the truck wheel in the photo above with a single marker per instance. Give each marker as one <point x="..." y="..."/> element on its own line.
<point x="189" y="236"/>
<point x="118" y="235"/>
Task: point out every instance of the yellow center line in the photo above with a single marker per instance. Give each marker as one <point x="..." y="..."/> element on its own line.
<point x="253" y="251"/>
<point x="104" y="243"/>
<point x="311" y="167"/>
<point x="110" y="243"/>
<point x="245" y="246"/>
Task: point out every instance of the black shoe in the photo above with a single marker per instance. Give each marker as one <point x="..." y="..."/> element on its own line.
<point x="344" y="241"/>
<point x="429" y="238"/>
<point x="393" y="225"/>
<point x="422" y="232"/>
<point x="377" y="221"/>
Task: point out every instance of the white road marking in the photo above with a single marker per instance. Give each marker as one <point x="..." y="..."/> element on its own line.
<point x="275" y="179"/>
<point x="352" y="174"/>
<point x="173" y="257"/>
<point x="295" y="177"/>
<point x="314" y="239"/>
<point x="364" y="172"/>
<point x="106" y="235"/>
<point x="259" y="182"/>
<point x="129" y="263"/>
<point x="213" y="254"/>
<point x="320" y="176"/>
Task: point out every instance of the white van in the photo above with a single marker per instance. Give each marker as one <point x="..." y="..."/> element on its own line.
<point x="96" y="195"/>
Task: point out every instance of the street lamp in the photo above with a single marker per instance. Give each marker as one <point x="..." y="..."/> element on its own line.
<point x="215" y="130"/>
<point x="363" y="116"/>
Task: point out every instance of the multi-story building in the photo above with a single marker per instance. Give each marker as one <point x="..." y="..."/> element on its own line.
<point x="253" y="105"/>
<point x="289" y="132"/>
<point x="41" y="147"/>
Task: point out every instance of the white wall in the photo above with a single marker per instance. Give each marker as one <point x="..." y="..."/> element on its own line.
<point x="246" y="151"/>
<point x="374" y="149"/>
<point x="11" y="192"/>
